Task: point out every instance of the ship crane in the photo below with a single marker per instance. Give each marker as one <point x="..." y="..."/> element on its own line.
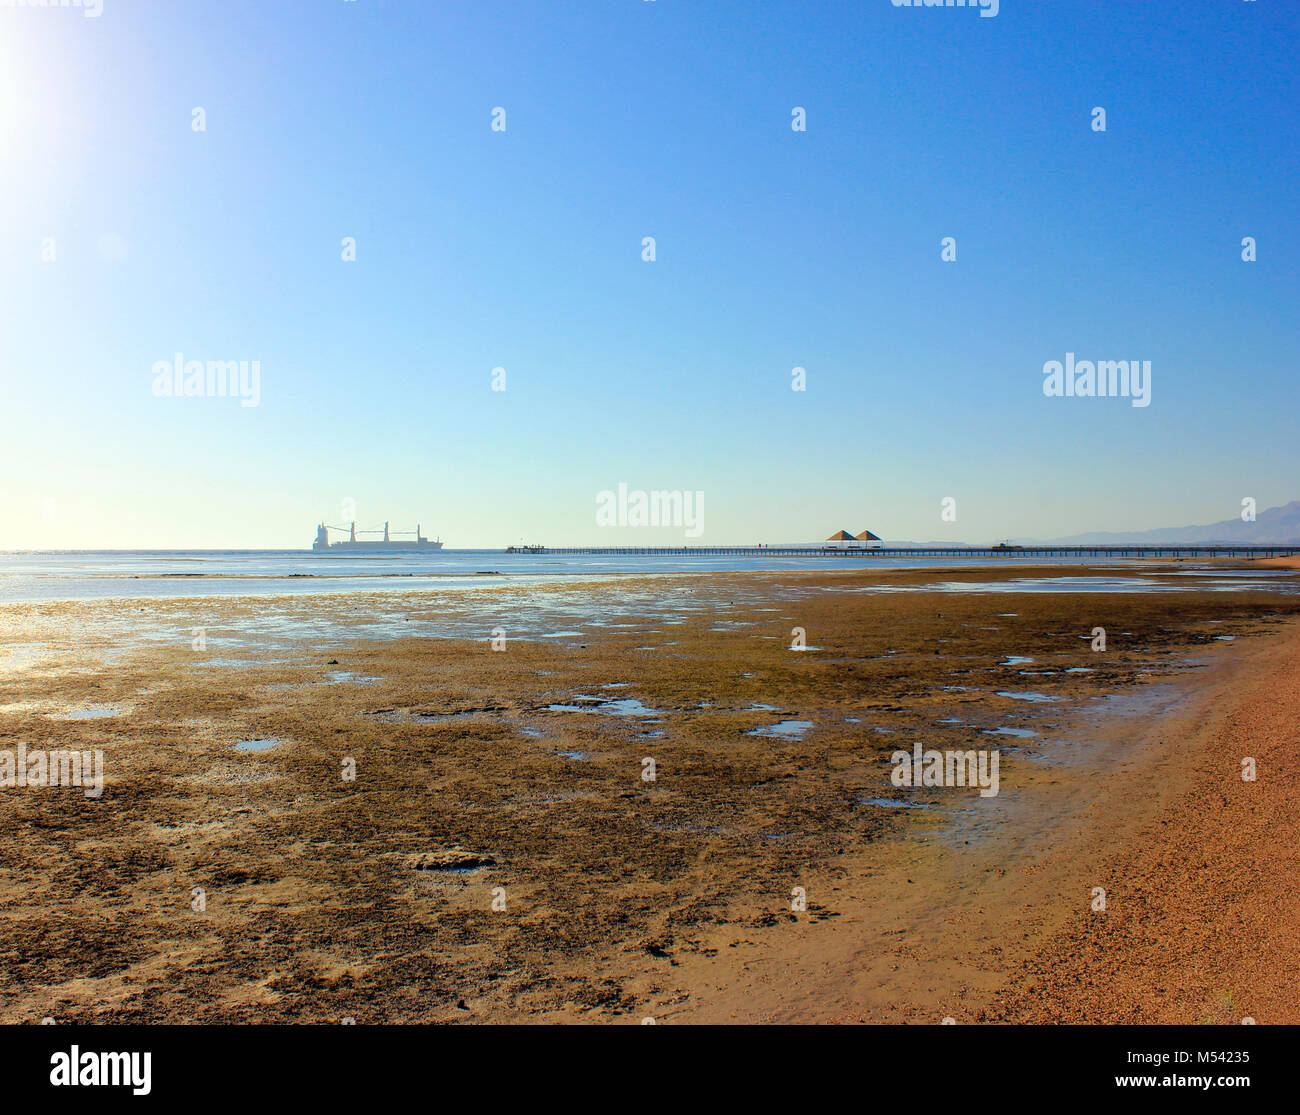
<point x="409" y="540"/>
<point x="351" y="528"/>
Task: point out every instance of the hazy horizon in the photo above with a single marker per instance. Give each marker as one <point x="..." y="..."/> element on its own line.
<point x="671" y="537"/>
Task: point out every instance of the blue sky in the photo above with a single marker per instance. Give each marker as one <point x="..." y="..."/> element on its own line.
<point x="522" y="249"/>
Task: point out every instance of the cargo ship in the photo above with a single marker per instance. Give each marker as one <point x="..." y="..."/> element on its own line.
<point x="388" y="544"/>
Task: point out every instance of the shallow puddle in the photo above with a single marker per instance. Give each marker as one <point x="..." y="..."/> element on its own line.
<point x="622" y="706"/>
<point x="1037" y="698"/>
<point x="89" y="712"/>
<point x="783" y="729"/>
<point x="255" y="745"/>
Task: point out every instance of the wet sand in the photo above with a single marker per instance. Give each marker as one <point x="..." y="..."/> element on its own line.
<point x="515" y="778"/>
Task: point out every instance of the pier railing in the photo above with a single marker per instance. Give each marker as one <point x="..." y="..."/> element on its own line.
<point x="868" y="552"/>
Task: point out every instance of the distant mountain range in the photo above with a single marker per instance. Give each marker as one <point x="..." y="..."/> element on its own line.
<point x="1276" y="526"/>
<point x="1280" y="525"/>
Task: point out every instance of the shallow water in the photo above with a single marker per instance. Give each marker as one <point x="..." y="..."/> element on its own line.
<point x="106" y="574"/>
<point x="1208" y="580"/>
<point x="89" y="712"/>
<point x="256" y="745"/>
<point x="783" y="729"/>
<point x="623" y="706"/>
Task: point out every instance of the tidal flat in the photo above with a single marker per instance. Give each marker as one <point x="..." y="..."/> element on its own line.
<point x="601" y="800"/>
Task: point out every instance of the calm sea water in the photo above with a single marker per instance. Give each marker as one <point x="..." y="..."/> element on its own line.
<point x="307" y="604"/>
<point x="133" y="574"/>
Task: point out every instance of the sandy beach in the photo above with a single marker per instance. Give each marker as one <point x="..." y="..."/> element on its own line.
<point x="675" y="804"/>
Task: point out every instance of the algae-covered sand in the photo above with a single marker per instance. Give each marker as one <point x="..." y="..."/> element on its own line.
<point x="665" y="812"/>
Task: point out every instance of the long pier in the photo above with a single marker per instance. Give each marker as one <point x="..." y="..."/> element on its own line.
<point x="868" y="552"/>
